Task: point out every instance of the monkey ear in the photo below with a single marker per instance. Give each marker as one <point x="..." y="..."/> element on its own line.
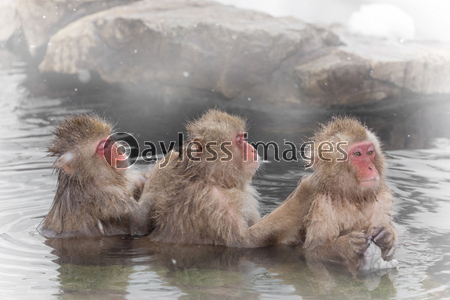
<point x="197" y="148"/>
<point x="64" y="161"/>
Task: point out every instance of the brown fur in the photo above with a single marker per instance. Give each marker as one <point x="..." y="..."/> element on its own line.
<point x="212" y="202"/>
<point x="92" y="199"/>
<point x="338" y="214"/>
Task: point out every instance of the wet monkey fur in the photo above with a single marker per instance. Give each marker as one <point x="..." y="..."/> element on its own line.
<point x="346" y="203"/>
<point x="198" y="197"/>
<point x="93" y="197"/>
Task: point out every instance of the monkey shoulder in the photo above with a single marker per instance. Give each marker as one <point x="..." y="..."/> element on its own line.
<point x="303" y="179"/>
<point x="163" y="165"/>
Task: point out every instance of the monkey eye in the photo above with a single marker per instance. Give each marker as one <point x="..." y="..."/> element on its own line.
<point x="370" y="152"/>
<point x="357" y="153"/>
<point x="239" y="139"/>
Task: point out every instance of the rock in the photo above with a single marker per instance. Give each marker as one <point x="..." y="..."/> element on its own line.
<point x="9" y="20"/>
<point x="370" y="70"/>
<point x="341" y="78"/>
<point x="200" y="45"/>
<point x="41" y="19"/>
<point x="179" y="48"/>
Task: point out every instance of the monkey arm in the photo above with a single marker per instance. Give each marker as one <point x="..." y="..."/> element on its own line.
<point x="390" y="244"/>
<point x="382" y="229"/>
<point x="344" y="249"/>
<point x="385" y="237"/>
<point x="282" y="226"/>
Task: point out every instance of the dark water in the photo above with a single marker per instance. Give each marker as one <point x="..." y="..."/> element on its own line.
<point x="415" y="134"/>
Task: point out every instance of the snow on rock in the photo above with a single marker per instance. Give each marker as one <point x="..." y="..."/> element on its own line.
<point x="9" y="21"/>
<point x="382" y="20"/>
<point x="41" y="19"/>
<point x="186" y="49"/>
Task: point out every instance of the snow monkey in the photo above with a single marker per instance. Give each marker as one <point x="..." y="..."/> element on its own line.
<point x="97" y="195"/>
<point x="345" y="201"/>
<point x="203" y="194"/>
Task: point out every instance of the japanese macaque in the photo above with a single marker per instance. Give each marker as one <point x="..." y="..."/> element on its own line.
<point x="96" y="194"/>
<point x="204" y="194"/>
<point x="346" y="203"/>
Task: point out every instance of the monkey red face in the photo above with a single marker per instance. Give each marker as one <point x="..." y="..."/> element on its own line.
<point x="249" y="153"/>
<point x="362" y="158"/>
<point x="113" y="153"/>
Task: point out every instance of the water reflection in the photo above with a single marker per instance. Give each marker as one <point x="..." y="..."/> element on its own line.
<point x="128" y="268"/>
<point x="112" y="266"/>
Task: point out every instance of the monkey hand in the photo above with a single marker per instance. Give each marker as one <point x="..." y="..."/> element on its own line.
<point x="353" y="245"/>
<point x="383" y="238"/>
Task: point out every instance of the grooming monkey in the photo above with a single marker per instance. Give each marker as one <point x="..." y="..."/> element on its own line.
<point x="204" y="194"/>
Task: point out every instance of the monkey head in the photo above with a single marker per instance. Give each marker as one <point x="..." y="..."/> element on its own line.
<point x="85" y="149"/>
<point x="216" y="144"/>
<point x="363" y="169"/>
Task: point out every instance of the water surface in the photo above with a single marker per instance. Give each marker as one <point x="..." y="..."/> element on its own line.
<point x="415" y="135"/>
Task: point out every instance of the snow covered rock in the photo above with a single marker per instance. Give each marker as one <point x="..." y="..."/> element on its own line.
<point x="179" y="48"/>
<point x="41" y="19"/>
<point x="370" y="70"/>
<point x="9" y="20"/>
<point x="382" y="20"/>
<point x="199" y="45"/>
